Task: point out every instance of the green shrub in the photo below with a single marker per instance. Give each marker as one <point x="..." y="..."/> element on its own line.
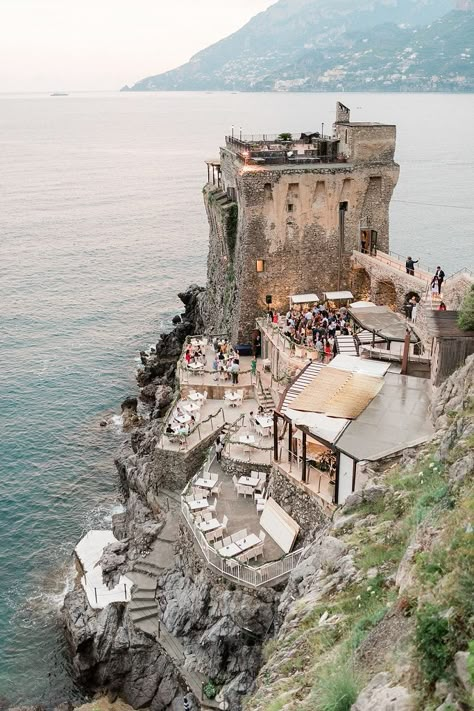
<point x="432" y="638"/>
<point x="209" y="690"/>
<point x="470" y="661"/>
<point x="336" y="689"/>
<point x="285" y="137"/>
<point x="466" y="312"/>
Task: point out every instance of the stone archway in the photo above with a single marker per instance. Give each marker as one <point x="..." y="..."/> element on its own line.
<point x="386" y="294"/>
<point x="360" y="284"/>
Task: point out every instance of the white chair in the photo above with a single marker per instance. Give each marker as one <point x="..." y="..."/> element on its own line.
<point x="231" y="564"/>
<point x="240" y="399"/>
<point x="235" y="482"/>
<point x="262" y="535"/>
<point x="207" y="516"/>
<point x="217" y="489"/>
<point x="213" y="476"/>
<point x="259" y="494"/>
<point x="225" y="521"/>
<point x="212" y="508"/>
<point x="190" y="498"/>
<point x="243" y="557"/>
<point x="227" y="541"/>
<point x="204" y="397"/>
<point x="239" y="535"/>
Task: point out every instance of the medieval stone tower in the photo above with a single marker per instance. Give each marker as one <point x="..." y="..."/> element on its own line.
<point x="286" y="212"/>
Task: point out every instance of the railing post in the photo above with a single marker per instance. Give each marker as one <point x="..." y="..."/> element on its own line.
<point x="125" y="590"/>
<point x="95" y="593"/>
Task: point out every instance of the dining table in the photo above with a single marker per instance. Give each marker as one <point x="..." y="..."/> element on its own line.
<point x="198" y="504"/>
<point x="182" y="419"/>
<point x="207" y="526"/>
<point x="190" y="407"/>
<point x="196" y="397"/>
<point x="264" y="421"/>
<point x="249" y="481"/>
<point x="248" y="542"/>
<point x="230" y="551"/>
<point x="196" y="366"/>
<point x="247" y="439"/>
<point x="205" y="483"/>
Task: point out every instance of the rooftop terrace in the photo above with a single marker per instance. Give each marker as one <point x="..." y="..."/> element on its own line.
<point x="309" y="149"/>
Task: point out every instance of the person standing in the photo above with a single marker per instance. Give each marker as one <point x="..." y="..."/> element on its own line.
<point x="410" y="265"/>
<point x="234" y="369"/>
<point x="440" y="274"/>
<point x="434" y="286"/>
<point x="219" y="446"/>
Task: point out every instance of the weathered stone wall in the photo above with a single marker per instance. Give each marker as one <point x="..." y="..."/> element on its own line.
<point x="221" y="282"/>
<point x="290" y="219"/>
<point x="172" y="470"/>
<point x="297" y="503"/>
<point x="240" y="468"/>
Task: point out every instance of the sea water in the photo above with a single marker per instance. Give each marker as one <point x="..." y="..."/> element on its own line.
<point x="102" y="223"/>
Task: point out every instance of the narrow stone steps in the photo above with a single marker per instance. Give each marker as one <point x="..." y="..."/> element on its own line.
<point x="145" y="609"/>
<point x="149" y="569"/>
<point x="138" y="616"/>
<point x="140" y="595"/>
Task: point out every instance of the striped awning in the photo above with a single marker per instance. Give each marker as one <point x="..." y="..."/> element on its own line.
<point x="299" y="385"/>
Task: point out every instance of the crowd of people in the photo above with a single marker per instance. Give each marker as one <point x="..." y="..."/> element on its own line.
<point x="316" y="328"/>
<point x="226" y="363"/>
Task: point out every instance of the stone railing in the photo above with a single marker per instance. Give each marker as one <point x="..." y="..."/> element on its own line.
<point x="254" y="577"/>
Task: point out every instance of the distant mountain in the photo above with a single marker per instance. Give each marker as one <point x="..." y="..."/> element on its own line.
<point x="323" y="45"/>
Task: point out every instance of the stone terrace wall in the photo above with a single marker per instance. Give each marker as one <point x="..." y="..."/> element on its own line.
<point x="240" y="468"/>
<point x="297" y="503"/>
<point x="174" y="469"/>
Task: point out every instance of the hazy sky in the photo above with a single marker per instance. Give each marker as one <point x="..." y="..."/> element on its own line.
<point x="103" y="44"/>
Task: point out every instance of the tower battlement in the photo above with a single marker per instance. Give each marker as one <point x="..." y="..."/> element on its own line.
<point x="285" y="213"/>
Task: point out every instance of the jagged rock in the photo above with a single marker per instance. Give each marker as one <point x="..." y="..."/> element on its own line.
<point x="368" y="495"/>
<point x="379" y="695"/>
<point x="147" y="393"/>
<point x="441" y="689"/>
<point x="345" y="523"/>
<point x="130" y="403"/>
<point x="449" y="705"/>
<point x="462" y="468"/>
<point x="462" y="672"/>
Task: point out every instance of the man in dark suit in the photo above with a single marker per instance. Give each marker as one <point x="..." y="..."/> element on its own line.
<point x="440" y="274"/>
<point x="410" y="265"/>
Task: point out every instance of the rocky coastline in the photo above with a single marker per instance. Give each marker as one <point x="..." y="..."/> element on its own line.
<point x="248" y="644"/>
<point x="221" y="628"/>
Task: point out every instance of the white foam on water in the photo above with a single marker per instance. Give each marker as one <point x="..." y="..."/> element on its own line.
<point x="117" y="422"/>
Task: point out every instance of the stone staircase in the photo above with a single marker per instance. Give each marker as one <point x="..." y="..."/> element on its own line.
<point x="265" y="399"/>
<point x="144" y="610"/>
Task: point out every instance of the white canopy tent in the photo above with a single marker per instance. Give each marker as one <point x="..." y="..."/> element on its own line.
<point x="303" y="299"/>
<point x="338" y="295"/>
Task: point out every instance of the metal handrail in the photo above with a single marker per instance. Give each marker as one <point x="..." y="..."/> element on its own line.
<point x="240" y="572"/>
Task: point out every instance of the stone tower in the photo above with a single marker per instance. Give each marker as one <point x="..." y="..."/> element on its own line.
<point x="286" y="212"/>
